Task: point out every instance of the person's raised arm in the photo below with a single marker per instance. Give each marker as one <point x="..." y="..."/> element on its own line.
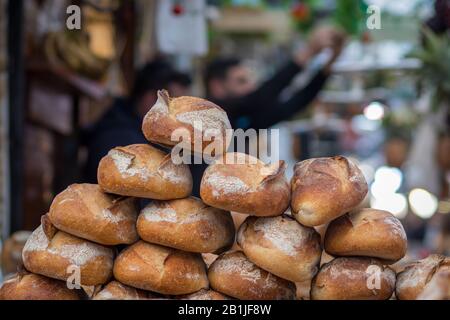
<point x="299" y="101"/>
<point x="302" y="98"/>
<point x="266" y="96"/>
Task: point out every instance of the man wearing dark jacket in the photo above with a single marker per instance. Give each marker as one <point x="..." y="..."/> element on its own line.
<point x="229" y="84"/>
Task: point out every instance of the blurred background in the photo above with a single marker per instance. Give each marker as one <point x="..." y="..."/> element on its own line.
<point x="368" y="79"/>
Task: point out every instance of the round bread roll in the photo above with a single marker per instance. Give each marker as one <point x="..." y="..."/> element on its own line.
<point x="324" y="189"/>
<point x="140" y="170"/>
<point x="281" y="246"/>
<point x="438" y="288"/>
<point x="29" y="286"/>
<point x="85" y="211"/>
<point x="236" y="276"/>
<point x="242" y="183"/>
<point x="205" y="295"/>
<point x="115" y="290"/>
<point x="186" y="224"/>
<point x="200" y="123"/>
<point x="413" y="279"/>
<point x="57" y="255"/>
<point x="356" y="278"/>
<point x="367" y="232"/>
<point x="161" y="269"/>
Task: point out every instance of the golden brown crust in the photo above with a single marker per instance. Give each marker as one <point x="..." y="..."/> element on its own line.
<point x="29" y="286"/>
<point x="413" y="279"/>
<point x="303" y="290"/>
<point x="160" y="269"/>
<point x="281" y="246"/>
<point x="367" y="232"/>
<point x="236" y="276"/>
<point x="204" y="294"/>
<point x="57" y="257"/>
<point x="85" y="211"/>
<point x="325" y="188"/>
<point x="242" y="183"/>
<point x="184" y="115"/>
<point x="353" y="279"/>
<point x="140" y="170"/>
<point x="438" y="288"/>
<point x="115" y="290"/>
<point x="186" y="224"/>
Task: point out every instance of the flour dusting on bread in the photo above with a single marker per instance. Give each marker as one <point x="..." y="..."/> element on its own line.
<point x="80" y="254"/>
<point x="154" y="213"/>
<point x="124" y="164"/>
<point x="239" y="266"/>
<point x="209" y="119"/>
<point x="226" y="185"/>
<point x="286" y="235"/>
<point x="37" y="241"/>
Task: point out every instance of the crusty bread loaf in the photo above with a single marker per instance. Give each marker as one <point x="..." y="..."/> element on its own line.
<point x="236" y="276"/>
<point x="281" y="246"/>
<point x="204" y="294"/>
<point x="56" y="254"/>
<point x="190" y="117"/>
<point x="367" y="232"/>
<point x="438" y="288"/>
<point x="29" y="286"/>
<point x="186" y="224"/>
<point x="160" y="269"/>
<point x="325" y="188"/>
<point x="356" y="278"/>
<point x="413" y="279"/>
<point x="242" y="183"/>
<point x="115" y="290"/>
<point x="85" y="211"/>
<point x="140" y="170"/>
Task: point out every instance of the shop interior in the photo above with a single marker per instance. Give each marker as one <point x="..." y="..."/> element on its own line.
<point x="385" y="103"/>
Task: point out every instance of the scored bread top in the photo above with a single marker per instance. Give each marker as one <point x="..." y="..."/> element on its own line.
<point x="325" y="188"/>
<point x="242" y="183"/>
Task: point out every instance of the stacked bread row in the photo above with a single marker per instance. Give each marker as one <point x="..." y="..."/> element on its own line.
<point x="88" y="225"/>
<point x="123" y="251"/>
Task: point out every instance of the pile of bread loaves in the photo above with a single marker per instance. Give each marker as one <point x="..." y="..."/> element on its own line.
<point x="114" y="245"/>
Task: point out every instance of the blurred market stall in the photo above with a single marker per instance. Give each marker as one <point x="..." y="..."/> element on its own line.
<point x="386" y="104"/>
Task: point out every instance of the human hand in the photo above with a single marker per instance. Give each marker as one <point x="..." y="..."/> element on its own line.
<point x="321" y="38"/>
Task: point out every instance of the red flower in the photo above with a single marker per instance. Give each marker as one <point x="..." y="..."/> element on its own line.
<point x="177" y="9"/>
<point x="300" y="11"/>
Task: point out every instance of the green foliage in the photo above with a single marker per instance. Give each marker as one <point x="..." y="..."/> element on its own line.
<point x="400" y="123"/>
<point x="350" y="15"/>
<point x="435" y="71"/>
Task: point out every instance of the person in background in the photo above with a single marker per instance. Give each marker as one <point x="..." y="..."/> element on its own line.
<point x="121" y="125"/>
<point x="229" y="84"/>
<point x="439" y="23"/>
